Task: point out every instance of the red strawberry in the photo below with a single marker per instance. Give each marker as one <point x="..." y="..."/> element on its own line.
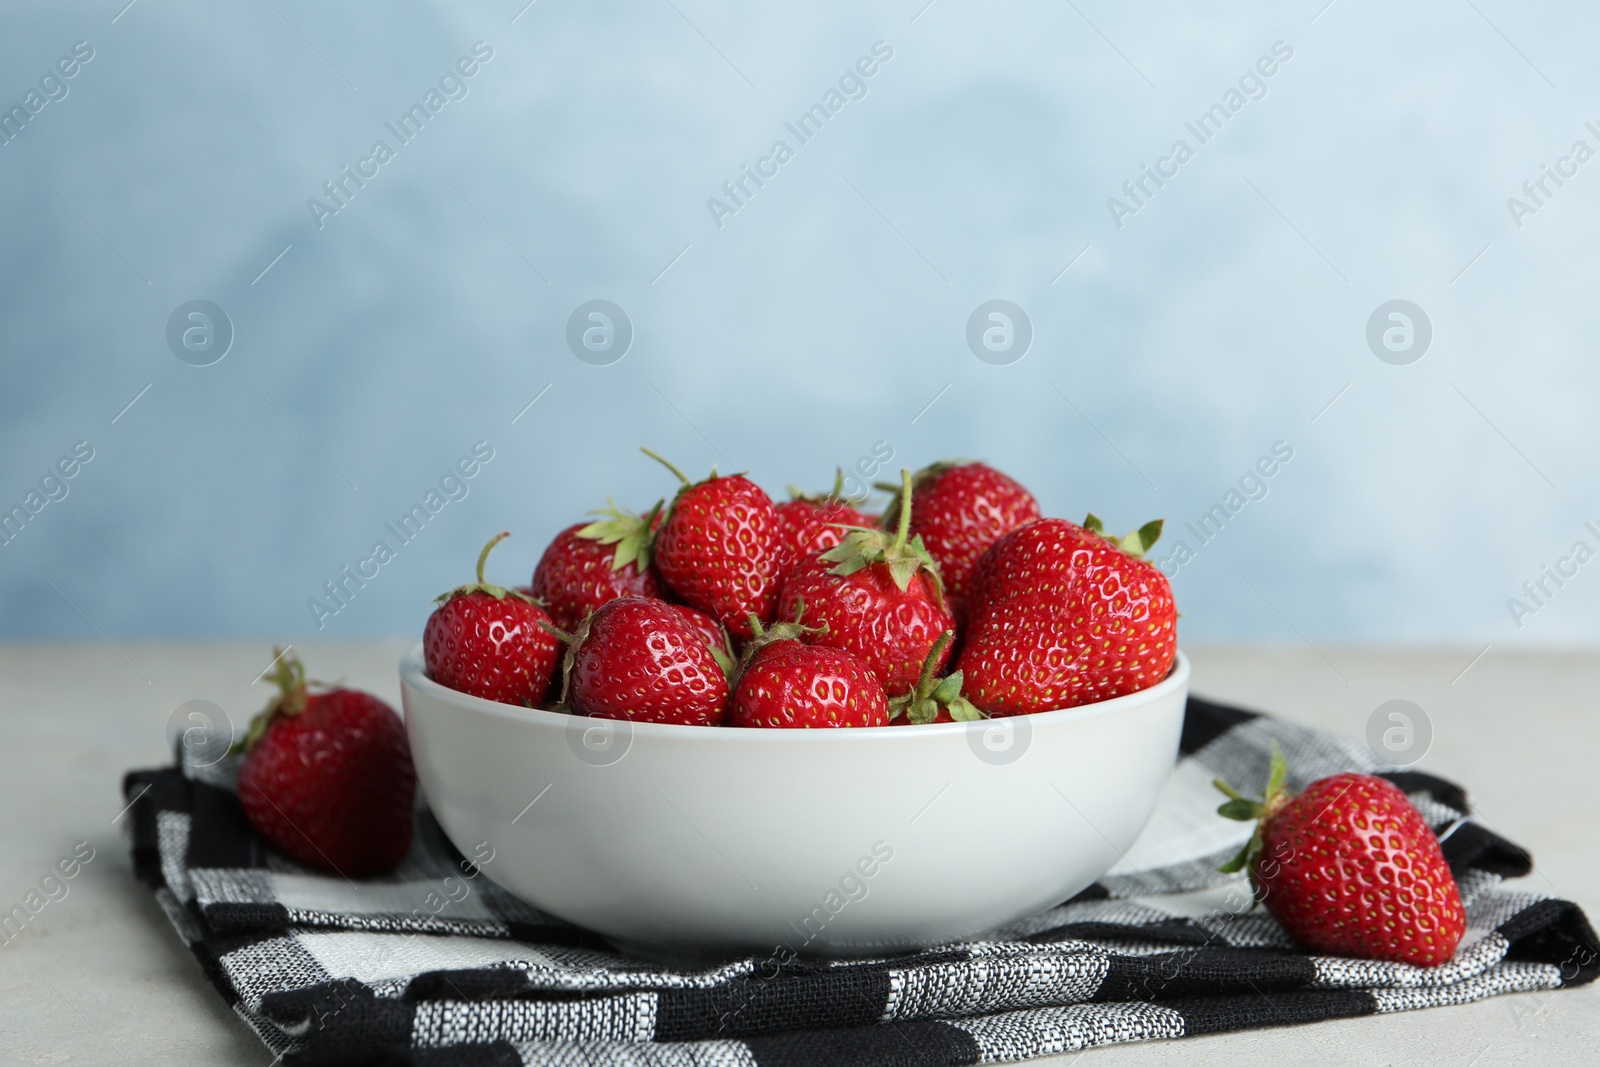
<point x="327" y="776"/>
<point x="810" y="524"/>
<point x="640" y="659"/>
<point x="934" y="699"/>
<point x="786" y="683"/>
<point x="491" y="642"/>
<point x="1350" y="868"/>
<point x="875" y="595"/>
<point x="591" y="563"/>
<point x="1060" y="616"/>
<point x="719" y="549"/>
<point x="961" y="509"/>
<point x="712" y="632"/>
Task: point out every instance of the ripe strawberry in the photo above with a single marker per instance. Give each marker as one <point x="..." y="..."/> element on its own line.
<point x="810" y="524"/>
<point x="719" y="549"/>
<point x="327" y="776"/>
<point x="1060" y="615"/>
<point x="591" y="563"/>
<point x="875" y="595"/>
<point x="1350" y="868"/>
<point x="786" y="683"/>
<point x="961" y="509"/>
<point x="491" y="642"/>
<point x="712" y="632"/>
<point x="640" y="659"/>
<point x="934" y="699"/>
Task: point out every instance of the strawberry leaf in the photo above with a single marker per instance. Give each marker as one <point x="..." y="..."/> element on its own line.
<point x="1134" y="544"/>
<point x="848" y="560"/>
<point x="573" y="641"/>
<point x="901" y="553"/>
<point x="948" y="689"/>
<point x="963" y="710"/>
<point x="294" y="694"/>
<point x="1150" y="533"/>
<point x="1236" y="864"/>
<point x="783" y="630"/>
<point x="1241" y="809"/>
<point x="1276" y="773"/>
<point x="852" y="552"/>
<point x="633" y="535"/>
<point x="924" y="702"/>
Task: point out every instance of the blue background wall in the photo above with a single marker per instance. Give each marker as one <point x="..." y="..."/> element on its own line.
<point x="1221" y="317"/>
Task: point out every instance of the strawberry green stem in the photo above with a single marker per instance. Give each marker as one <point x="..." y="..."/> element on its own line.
<point x="1248" y="809"/>
<point x="904" y="527"/>
<point x="925" y="680"/>
<point x="483" y="557"/>
<point x="924" y="703"/>
<point x="782" y="630"/>
<point x="832" y="496"/>
<point x="681" y="476"/>
<point x="482" y="586"/>
<point x="903" y="555"/>
<point x="289" y="675"/>
<point x="557" y="633"/>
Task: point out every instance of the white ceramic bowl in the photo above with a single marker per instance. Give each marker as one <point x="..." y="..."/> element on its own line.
<point x="835" y="842"/>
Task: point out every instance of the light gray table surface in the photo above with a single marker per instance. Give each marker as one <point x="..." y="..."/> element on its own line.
<point x="99" y="977"/>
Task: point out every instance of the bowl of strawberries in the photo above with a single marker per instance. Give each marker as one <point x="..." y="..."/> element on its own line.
<point x="727" y="724"/>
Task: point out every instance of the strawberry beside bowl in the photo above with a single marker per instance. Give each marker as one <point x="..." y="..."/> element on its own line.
<point x="828" y="842"/>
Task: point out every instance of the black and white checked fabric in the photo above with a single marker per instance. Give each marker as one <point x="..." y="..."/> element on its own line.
<point x="436" y="965"/>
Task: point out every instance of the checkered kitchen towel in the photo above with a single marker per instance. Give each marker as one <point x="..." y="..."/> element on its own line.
<point x="436" y="965"/>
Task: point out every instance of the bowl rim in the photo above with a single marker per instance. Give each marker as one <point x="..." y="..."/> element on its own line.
<point x="413" y="673"/>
